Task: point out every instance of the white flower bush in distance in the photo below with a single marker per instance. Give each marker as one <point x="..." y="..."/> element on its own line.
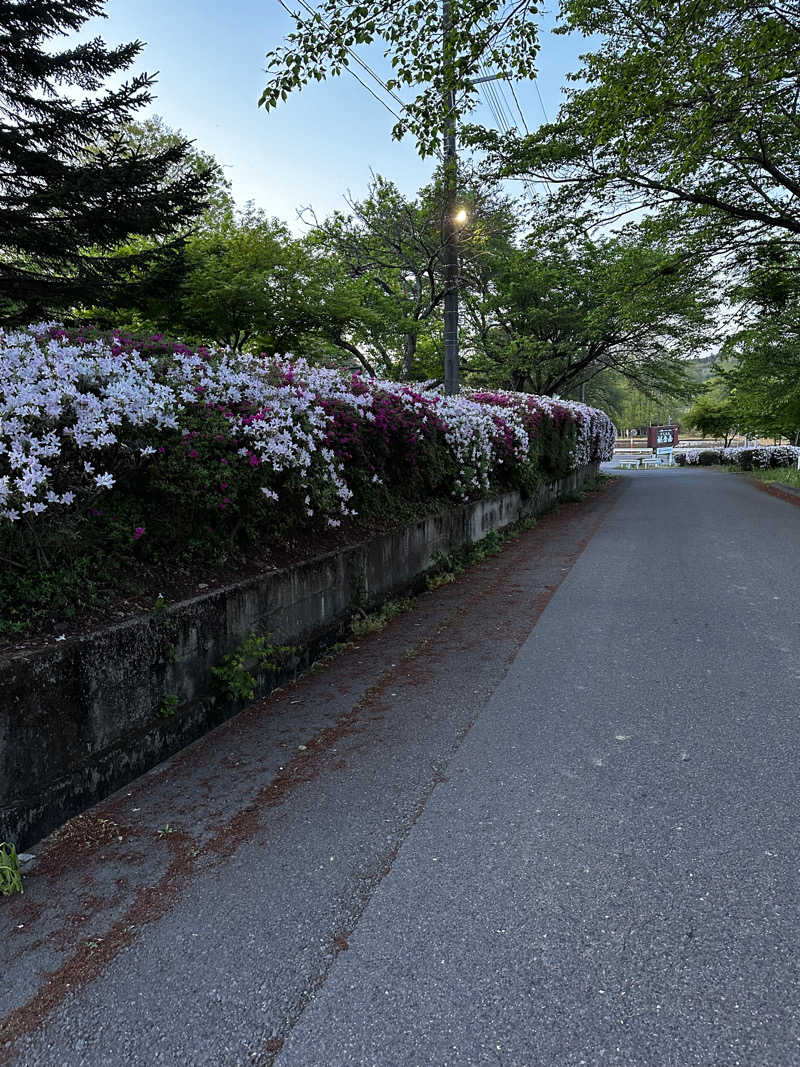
<point x="762" y="457"/>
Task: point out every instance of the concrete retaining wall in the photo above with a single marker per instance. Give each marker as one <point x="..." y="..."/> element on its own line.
<point x="81" y="718"/>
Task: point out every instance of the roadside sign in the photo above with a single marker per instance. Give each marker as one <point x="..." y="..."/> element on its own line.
<point x="662" y="436"/>
<point x="664" y="451"/>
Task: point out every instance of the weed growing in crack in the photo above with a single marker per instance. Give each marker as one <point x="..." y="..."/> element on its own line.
<point x="10" y="876"/>
<point x="446" y="565"/>
<point x="362" y="623"/>
<point x="235" y="675"/>
<point x="168" y="705"/>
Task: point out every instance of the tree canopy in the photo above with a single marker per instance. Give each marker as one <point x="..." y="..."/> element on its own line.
<point x="393" y="247"/>
<point x="715" y="413"/>
<point x="73" y="183"/>
<point x="502" y="36"/>
<point x="692" y="107"/>
<point x="557" y="312"/>
<point x="761" y="361"/>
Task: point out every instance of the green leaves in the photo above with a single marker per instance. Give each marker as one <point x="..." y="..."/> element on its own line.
<point x="694" y="104"/>
<point x="714" y="413"/>
<point x="237" y="676"/>
<point x="74" y="182"/>
<point x="245" y="283"/>
<point x="560" y="311"/>
<point x="761" y="369"/>
<point x="10" y="877"/>
<point x="487" y="31"/>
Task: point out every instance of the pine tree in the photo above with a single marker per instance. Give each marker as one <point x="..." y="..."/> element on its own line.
<point x="72" y="183"/>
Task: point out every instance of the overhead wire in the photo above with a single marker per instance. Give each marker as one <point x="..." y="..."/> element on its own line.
<point x="489" y="95"/>
<point x="528" y="183"/>
<point x="504" y="104"/>
<point x="493" y="95"/>
<point x="465" y="92"/>
<point x="364" y="66"/>
<point x="541" y="102"/>
<point x="493" y="100"/>
<point x="516" y="101"/>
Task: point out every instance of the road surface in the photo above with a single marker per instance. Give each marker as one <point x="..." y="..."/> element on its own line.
<point x="548" y="817"/>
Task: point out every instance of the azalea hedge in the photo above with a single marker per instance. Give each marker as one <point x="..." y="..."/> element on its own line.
<point x="763" y="458"/>
<point x="117" y="452"/>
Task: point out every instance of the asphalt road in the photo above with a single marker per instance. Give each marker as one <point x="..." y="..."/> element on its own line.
<point x="549" y="817"/>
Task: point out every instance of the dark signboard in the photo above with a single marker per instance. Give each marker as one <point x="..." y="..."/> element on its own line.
<point x="662" y="437"/>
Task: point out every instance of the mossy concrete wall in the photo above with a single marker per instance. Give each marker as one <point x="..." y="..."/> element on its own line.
<point x="80" y="718"/>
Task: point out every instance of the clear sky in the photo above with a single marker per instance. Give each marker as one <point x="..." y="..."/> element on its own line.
<point x="315" y="147"/>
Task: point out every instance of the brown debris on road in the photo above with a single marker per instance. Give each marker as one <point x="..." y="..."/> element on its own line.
<point x="106" y="875"/>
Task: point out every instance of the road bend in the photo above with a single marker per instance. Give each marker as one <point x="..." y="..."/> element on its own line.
<point x="548" y="817"/>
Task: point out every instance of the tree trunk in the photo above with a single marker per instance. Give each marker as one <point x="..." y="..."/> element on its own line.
<point x="362" y="359"/>
<point x="409" y="351"/>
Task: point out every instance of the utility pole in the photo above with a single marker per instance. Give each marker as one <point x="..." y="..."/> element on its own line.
<point x="450" y="247"/>
<point x="452" y="219"/>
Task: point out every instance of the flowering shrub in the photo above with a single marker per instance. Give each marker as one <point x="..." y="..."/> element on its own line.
<point x="761" y="458"/>
<point x="784" y="456"/>
<point x="731" y="454"/>
<point x="128" y="453"/>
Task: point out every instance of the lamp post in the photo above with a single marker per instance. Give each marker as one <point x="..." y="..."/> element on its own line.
<point x="449" y="250"/>
<point x="454" y="217"/>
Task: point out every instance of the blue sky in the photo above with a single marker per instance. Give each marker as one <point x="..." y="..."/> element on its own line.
<point x="317" y="145"/>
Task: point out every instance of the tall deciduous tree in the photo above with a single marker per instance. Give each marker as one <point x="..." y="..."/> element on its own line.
<point x="762" y="365"/>
<point x="715" y="413"/>
<point x="245" y="283"/>
<point x="73" y="184"/>
<point x="394" y="246"/>
<point x="558" y="312"/>
<point x="691" y="106"/>
<point x="152" y="135"/>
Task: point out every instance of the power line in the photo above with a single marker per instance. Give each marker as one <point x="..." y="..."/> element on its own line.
<point x="365" y="66"/>
<point x="519" y="109"/>
<point x="491" y="100"/>
<point x="496" y="100"/>
<point x="374" y="94"/>
<point x="541" y="102"/>
<point x="505" y="125"/>
<point x="487" y="45"/>
<point x="527" y="183"/>
<point x="357" y="58"/>
<point x="501" y="112"/>
<point x="504" y="104"/>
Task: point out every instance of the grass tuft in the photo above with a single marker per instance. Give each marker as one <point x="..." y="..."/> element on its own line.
<point x="10" y="876"/>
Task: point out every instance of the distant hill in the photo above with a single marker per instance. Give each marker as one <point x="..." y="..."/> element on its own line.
<point x="700" y="369"/>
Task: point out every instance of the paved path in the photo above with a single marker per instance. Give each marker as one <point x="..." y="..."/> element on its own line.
<point x="559" y="826"/>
